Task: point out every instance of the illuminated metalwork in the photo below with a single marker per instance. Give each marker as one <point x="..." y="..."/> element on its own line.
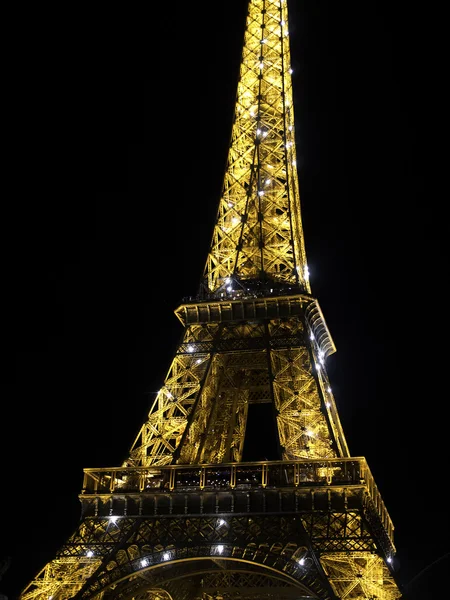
<point x="185" y="517"/>
<point x="258" y="232"/>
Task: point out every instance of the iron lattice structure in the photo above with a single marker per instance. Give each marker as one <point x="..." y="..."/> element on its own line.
<point x="185" y="517"/>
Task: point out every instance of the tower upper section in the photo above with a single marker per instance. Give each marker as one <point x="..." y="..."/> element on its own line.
<point x="258" y="238"/>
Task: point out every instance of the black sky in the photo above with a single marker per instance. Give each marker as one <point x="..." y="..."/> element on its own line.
<point x="121" y="154"/>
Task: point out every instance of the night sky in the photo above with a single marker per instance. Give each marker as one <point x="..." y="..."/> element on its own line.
<point x="119" y="171"/>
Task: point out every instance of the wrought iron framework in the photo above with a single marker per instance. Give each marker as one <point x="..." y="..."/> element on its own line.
<point x="185" y="518"/>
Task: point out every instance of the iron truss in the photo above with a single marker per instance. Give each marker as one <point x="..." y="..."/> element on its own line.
<point x="310" y="538"/>
<point x="183" y="518"/>
<point x="224" y="364"/>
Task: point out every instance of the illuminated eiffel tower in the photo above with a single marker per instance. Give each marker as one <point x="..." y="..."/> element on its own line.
<point x="188" y="516"/>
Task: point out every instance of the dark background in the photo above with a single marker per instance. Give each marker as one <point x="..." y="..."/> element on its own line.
<point x="117" y="166"/>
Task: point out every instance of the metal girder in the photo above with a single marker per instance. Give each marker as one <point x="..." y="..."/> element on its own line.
<point x="183" y="515"/>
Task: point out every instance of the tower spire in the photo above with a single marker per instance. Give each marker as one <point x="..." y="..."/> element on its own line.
<point x="258" y="236"/>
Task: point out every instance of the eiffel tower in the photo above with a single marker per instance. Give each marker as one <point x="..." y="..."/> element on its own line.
<point x="188" y="515"/>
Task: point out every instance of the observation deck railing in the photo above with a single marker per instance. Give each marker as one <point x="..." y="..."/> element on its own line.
<point x="303" y="474"/>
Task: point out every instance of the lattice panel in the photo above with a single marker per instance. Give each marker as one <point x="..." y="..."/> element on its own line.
<point x="99" y="536"/>
<point x="207" y="406"/>
<point x="302" y="426"/>
<point x="61" y="579"/>
<point x="286" y="327"/>
<point x="224" y="435"/>
<point x="243" y="331"/>
<point x="359" y="576"/>
<point x="333" y="531"/>
<point x="206" y="332"/>
<point x="161" y="433"/>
